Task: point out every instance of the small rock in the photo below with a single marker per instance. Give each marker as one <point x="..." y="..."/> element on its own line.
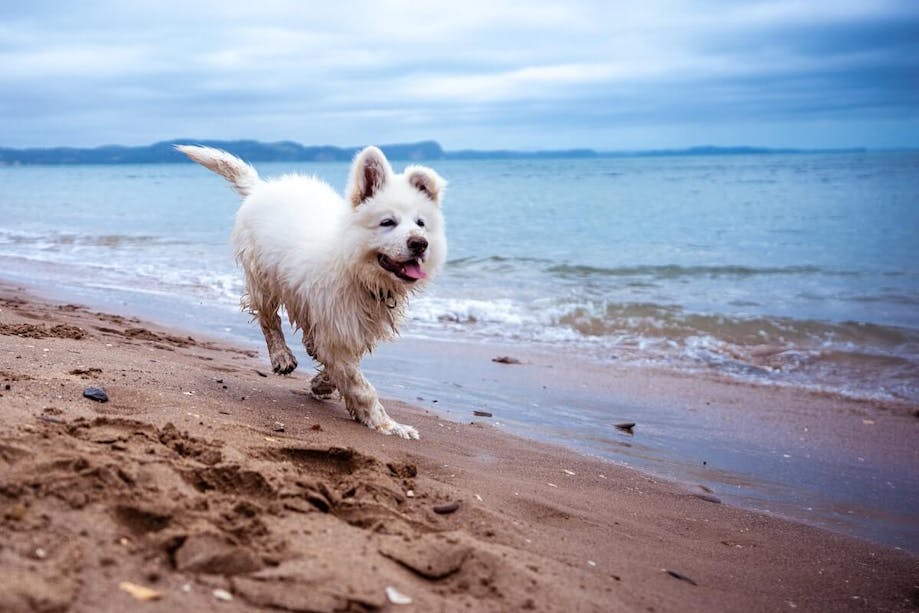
<point x="222" y="595"/>
<point x="506" y="359"/>
<point x="397" y="597"/>
<point x="627" y="427"/>
<point x="679" y="576"/>
<point x="277" y="426"/>
<point x="482" y="414"/>
<point x="316" y="428"/>
<point x="708" y="498"/>
<point x="139" y="592"/>
<point x="447" y="508"/>
<point x="95" y="393"/>
<point x="260" y="373"/>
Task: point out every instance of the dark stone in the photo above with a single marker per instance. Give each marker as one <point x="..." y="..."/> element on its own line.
<point x="444" y="509"/>
<point x="95" y="393"/>
<point x="627" y="427"/>
<point x="681" y="577"/>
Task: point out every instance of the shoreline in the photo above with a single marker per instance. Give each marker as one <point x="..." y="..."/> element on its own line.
<point x="203" y="474"/>
<point x="818" y="458"/>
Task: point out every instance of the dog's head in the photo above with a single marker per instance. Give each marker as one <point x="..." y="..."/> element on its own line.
<point x="396" y="236"/>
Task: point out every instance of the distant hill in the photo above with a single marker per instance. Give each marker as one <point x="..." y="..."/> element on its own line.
<point x="288" y="151"/>
<point x="164" y="152"/>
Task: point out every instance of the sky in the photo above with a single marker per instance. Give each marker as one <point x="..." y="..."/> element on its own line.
<point x="482" y="74"/>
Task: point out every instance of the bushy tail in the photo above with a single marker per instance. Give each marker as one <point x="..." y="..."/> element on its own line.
<point x="241" y="176"/>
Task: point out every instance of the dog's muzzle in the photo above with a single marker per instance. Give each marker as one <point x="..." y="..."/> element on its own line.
<point x="408" y="271"/>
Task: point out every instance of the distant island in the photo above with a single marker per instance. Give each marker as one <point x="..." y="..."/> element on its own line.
<point x="288" y="151"/>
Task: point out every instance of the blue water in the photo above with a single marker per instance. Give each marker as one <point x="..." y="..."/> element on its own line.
<point x="793" y="270"/>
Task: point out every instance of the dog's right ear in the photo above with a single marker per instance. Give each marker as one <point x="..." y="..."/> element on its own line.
<point x="369" y="174"/>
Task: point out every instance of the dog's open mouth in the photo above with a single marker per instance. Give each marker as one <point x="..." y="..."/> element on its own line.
<point x="409" y="270"/>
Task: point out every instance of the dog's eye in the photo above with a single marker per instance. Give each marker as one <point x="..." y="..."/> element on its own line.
<point x="388" y="223"/>
<point x="420" y="223"/>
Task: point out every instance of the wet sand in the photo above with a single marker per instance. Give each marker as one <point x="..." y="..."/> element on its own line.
<point x="210" y="482"/>
<point x="837" y="462"/>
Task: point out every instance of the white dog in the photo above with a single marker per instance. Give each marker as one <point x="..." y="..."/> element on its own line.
<point x="343" y="269"/>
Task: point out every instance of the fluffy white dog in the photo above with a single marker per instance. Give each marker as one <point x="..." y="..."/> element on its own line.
<point x="342" y="268"/>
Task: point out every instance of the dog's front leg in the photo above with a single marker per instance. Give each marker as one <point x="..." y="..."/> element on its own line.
<point x="361" y="400"/>
<point x="282" y="358"/>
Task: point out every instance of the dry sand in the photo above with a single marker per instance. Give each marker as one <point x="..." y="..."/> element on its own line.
<point x="205" y="483"/>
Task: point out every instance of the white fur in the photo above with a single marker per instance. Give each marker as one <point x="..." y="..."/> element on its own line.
<point x="304" y="247"/>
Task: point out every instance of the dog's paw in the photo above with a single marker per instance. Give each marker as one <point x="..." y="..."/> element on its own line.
<point x="321" y="388"/>
<point x="283" y="362"/>
<point x="396" y="429"/>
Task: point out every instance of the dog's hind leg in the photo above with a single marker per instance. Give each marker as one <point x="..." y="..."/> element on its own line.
<point x="282" y="358"/>
<point x="321" y="386"/>
<point x="266" y="311"/>
<point x="264" y="306"/>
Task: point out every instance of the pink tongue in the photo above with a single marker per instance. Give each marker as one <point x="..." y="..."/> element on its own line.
<point x="413" y="271"/>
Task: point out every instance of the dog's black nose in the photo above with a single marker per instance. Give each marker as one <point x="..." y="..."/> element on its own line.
<point x="417" y="245"/>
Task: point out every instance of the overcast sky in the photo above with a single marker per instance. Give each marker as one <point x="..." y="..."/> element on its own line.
<point x="467" y="73"/>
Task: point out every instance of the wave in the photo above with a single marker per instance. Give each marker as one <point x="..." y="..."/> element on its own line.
<point x="852" y="357"/>
<point x="53" y="240"/>
<point x="673" y="271"/>
<point x="496" y="263"/>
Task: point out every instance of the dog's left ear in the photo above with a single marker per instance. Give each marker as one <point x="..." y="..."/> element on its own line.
<point x="426" y="181"/>
<point x="369" y="173"/>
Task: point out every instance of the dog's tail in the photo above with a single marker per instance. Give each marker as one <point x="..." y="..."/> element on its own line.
<point x="240" y="175"/>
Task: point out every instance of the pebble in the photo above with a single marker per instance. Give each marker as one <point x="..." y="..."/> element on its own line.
<point x="222" y="595"/>
<point x="679" y="576"/>
<point x="95" y="393"/>
<point x="626" y="427"/>
<point x="482" y="414"/>
<point x="506" y="359"/>
<point x="397" y="597"/>
<point x="277" y="427"/>
<point x="444" y="509"/>
<point x="139" y="592"/>
<point x="708" y="498"/>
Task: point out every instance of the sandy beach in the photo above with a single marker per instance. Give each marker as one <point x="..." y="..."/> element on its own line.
<point x="206" y="483"/>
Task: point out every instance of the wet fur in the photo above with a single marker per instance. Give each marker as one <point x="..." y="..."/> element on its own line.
<point x="305" y="248"/>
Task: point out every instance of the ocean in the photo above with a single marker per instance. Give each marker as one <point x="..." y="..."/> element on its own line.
<point x="794" y="270"/>
<point x="797" y="271"/>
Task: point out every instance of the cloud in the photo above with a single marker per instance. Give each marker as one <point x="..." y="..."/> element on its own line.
<point x="480" y="73"/>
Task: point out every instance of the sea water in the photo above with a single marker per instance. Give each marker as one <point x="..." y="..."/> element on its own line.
<point x="798" y="270"/>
